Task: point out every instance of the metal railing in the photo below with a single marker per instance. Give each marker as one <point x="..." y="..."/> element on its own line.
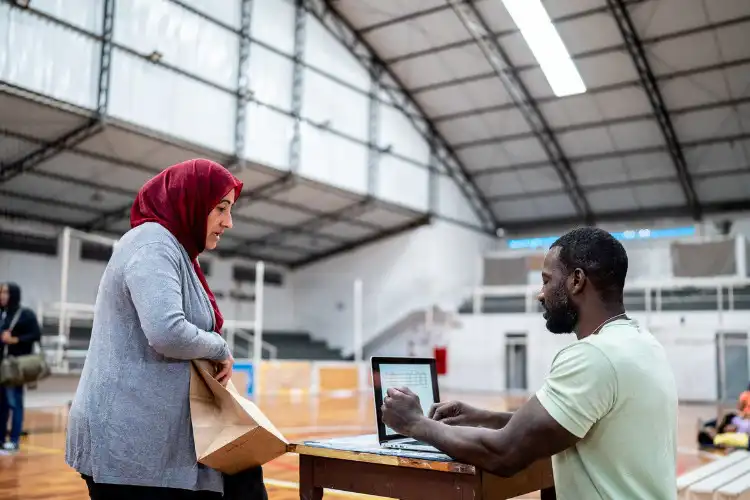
<point x="61" y="351"/>
<point x="232" y="331"/>
<point x="718" y="294"/>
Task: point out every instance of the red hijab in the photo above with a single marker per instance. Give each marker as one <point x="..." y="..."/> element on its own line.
<point x="180" y="198"/>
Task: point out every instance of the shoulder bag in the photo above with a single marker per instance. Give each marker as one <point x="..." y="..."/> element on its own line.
<point x="22" y="370"/>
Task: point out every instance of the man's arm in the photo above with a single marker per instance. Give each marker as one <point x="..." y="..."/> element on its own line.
<point x="530" y="434"/>
<point x="497" y="420"/>
<point x="462" y="414"/>
<point x="580" y="390"/>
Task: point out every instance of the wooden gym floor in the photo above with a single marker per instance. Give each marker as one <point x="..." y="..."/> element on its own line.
<point x="38" y="471"/>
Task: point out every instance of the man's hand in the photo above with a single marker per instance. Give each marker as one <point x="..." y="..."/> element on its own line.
<point x="224" y="374"/>
<point x="458" y="413"/>
<point x="8" y="338"/>
<point x="401" y="410"/>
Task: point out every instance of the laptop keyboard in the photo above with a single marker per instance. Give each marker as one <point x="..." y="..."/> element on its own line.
<point x="417" y="443"/>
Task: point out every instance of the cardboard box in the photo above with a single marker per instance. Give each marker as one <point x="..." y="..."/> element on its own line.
<point x="231" y="433"/>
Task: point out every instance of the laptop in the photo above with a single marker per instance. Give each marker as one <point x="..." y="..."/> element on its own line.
<point x="419" y="375"/>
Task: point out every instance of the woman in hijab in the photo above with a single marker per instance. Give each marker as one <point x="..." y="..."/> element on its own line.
<point x="19" y="330"/>
<point x="129" y="431"/>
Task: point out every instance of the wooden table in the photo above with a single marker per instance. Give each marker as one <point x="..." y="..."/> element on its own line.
<point x="360" y="465"/>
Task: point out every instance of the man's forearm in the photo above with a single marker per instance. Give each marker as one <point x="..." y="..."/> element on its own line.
<point x="470" y="445"/>
<point x="496" y="420"/>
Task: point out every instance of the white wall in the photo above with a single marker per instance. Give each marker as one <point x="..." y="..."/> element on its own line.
<point x="433" y="264"/>
<point x="476" y="351"/>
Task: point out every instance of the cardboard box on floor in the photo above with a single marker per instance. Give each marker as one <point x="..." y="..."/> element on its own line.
<point x="231" y="433"/>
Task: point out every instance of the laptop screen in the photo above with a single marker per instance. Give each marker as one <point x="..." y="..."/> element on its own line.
<point x="418" y="374"/>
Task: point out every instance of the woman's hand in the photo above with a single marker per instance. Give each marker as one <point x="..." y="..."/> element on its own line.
<point x="8" y="338"/>
<point x="224" y="374"/>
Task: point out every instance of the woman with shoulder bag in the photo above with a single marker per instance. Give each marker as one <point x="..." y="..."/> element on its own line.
<point x="19" y="330"/>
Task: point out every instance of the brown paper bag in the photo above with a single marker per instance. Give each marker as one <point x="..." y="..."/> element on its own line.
<point x="231" y="433"/>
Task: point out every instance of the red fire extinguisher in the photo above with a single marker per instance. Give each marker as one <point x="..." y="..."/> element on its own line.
<point x="441" y="359"/>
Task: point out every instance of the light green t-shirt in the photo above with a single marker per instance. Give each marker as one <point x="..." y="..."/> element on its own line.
<point x="616" y="391"/>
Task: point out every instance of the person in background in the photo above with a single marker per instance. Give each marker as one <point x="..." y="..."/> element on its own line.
<point x="129" y="432"/>
<point x="19" y="330"/>
<point x="743" y="403"/>
<point x="607" y="412"/>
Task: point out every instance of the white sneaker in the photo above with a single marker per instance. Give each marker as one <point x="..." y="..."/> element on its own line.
<point x="10" y="446"/>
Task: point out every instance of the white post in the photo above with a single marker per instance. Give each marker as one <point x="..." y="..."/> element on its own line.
<point x="740" y="255"/>
<point x="358" y="326"/>
<point x="64" y="272"/>
<point x="260" y="269"/>
<point x="358" y="321"/>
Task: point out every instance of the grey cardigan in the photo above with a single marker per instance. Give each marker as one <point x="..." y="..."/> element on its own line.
<point x="130" y="419"/>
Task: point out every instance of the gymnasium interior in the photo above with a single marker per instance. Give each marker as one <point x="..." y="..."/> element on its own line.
<point x="406" y="166"/>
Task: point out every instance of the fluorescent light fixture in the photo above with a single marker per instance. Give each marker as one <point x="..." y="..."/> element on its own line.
<point x="545" y="43"/>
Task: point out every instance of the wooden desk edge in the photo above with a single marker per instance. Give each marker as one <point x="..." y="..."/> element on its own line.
<point x="362" y="456"/>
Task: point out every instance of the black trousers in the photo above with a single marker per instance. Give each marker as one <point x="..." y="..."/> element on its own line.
<point x="101" y="491"/>
<point x="247" y="485"/>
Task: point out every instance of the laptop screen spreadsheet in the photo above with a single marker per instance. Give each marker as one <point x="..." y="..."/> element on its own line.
<point x="417" y="378"/>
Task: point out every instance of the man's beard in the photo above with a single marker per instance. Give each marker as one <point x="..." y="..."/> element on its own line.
<point x="560" y="313"/>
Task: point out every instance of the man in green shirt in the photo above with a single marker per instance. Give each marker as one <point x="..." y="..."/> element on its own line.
<point x="607" y="413"/>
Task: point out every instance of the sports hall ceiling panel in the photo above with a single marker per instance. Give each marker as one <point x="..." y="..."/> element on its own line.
<point x="443" y="67"/>
<point x="317" y="196"/>
<point x="695" y="121"/>
<point x="98" y="200"/>
<point x="421" y="34"/>
<point x="33" y="115"/>
<point x="456" y="101"/>
<point x="501" y="154"/>
<point x="255" y="178"/>
<point x="12" y="148"/>
<point x="535" y="208"/>
<point x="709" y="123"/>
<point x="389" y="216"/>
<point x="81" y="168"/>
<point x="717" y="188"/>
<point x="247" y="228"/>
<point x="484" y="127"/>
<point x="661" y="194"/>
<point x="279" y="214"/>
<point x="130" y="144"/>
<point x="346" y="231"/>
<point x="715" y="158"/>
<point x="521" y="182"/>
<point x="42" y="208"/>
<point x="386" y="12"/>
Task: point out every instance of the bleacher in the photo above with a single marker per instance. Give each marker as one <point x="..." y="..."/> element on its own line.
<point x="291" y="346"/>
<point x="723" y="479"/>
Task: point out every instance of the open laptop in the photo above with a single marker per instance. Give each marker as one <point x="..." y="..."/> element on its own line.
<point x="419" y="375"/>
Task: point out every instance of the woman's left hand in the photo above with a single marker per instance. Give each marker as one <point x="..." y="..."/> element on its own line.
<point x="225" y="370"/>
<point x="7" y="338"/>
